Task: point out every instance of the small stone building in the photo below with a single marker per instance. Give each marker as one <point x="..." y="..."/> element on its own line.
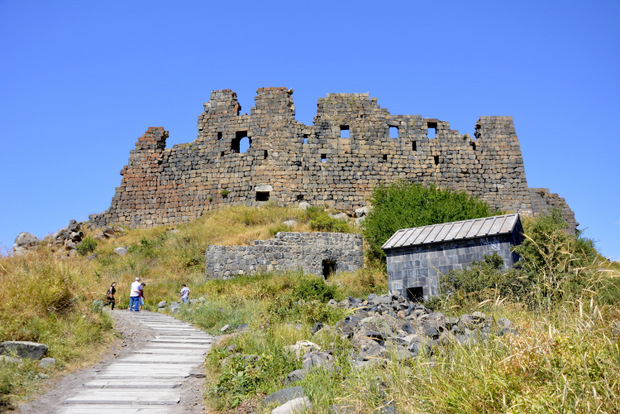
<point x="417" y="257"/>
<point x="314" y="253"/>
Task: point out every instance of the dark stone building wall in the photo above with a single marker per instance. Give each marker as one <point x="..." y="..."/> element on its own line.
<point x="353" y="146"/>
<point x="421" y="266"/>
<point x="314" y="253"/>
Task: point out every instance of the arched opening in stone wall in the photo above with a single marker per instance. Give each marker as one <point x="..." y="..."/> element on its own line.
<point x="241" y="143"/>
<point x="329" y="267"/>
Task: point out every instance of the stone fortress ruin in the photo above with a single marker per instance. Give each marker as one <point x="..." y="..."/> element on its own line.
<point x="353" y="146"/>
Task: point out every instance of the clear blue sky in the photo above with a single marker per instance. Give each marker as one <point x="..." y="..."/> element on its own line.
<point x="80" y="81"/>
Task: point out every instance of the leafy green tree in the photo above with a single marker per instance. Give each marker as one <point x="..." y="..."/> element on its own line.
<point x="405" y="205"/>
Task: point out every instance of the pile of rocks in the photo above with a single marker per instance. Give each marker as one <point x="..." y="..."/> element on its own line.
<point x="13" y="351"/>
<point x="382" y="328"/>
<point x="67" y="239"/>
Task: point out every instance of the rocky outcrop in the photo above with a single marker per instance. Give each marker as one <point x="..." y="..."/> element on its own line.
<point x="24" y="242"/>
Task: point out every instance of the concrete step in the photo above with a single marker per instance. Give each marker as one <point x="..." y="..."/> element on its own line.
<point x="112" y="396"/>
<point x="133" y="383"/>
<point x="117" y="409"/>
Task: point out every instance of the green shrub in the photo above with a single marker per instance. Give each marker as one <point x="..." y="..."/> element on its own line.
<point x="405" y="205"/>
<point x="86" y="246"/>
<point x="314" y="288"/>
<point x="279" y="228"/>
<point x="320" y="220"/>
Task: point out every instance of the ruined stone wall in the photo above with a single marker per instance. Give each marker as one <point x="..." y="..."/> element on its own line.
<point x="353" y="146"/>
<point x="314" y="253"/>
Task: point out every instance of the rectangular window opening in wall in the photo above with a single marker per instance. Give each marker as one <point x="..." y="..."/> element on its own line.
<point x="473" y="146"/>
<point x="384" y="157"/>
<point x="222" y="153"/>
<point x="323" y="157"/>
<point x="219" y="135"/>
<point x="265" y="154"/>
<point x="262" y="196"/>
<point x="306" y="138"/>
<point x="415" y="294"/>
<point x="436" y="157"/>
<point x="414" y="146"/>
<point x="300" y="197"/>
<point x="344" y="131"/>
<point x="432" y="130"/>
<point x="329" y="267"/>
<point x="394" y="132"/>
<point x="241" y="143"/>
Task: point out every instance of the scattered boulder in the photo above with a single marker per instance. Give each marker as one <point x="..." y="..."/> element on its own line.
<point x="302" y="347"/>
<point x="121" y="251"/>
<point x="290" y="223"/>
<point x="47" y="362"/>
<point x="24" y="242"/>
<point x="339" y="216"/>
<point x="284" y="395"/>
<point x="23" y="349"/>
<point x="362" y="212"/>
<point x="296" y="405"/>
<point x="10" y="360"/>
<point x="303" y="205"/>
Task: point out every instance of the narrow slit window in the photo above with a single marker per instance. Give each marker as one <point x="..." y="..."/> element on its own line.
<point x="436" y="157"/>
<point x="323" y="157"/>
<point x="473" y="146"/>
<point x="344" y="131"/>
<point x="432" y="130"/>
<point x="222" y="153"/>
<point x="306" y="138"/>
<point x="414" y="146"/>
<point x="394" y="132"/>
<point x="265" y="154"/>
<point x="219" y="135"/>
<point x="384" y="157"/>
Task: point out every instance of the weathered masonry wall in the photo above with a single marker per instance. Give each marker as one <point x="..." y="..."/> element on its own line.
<point x="353" y="146"/>
<point x="421" y="266"/>
<point x="314" y="253"/>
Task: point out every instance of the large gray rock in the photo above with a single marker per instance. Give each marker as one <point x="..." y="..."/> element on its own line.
<point x="23" y="349"/>
<point x="284" y="395"/>
<point x="121" y="251"/>
<point x="297" y="405"/>
<point x="24" y="242"/>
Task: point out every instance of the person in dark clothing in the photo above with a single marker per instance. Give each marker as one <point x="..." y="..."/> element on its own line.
<point x="110" y="296"/>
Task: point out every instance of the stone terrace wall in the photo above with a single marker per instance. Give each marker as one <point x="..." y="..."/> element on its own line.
<point x="308" y="252"/>
<point x="353" y="146"/>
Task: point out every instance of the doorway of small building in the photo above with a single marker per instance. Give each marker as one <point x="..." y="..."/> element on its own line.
<point x="329" y="267"/>
<point x="415" y="294"/>
<point x="262" y="196"/>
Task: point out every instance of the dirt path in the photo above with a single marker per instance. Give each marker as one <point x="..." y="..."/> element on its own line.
<point x="135" y="336"/>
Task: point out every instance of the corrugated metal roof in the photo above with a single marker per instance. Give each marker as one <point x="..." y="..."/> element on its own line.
<point x="457" y="230"/>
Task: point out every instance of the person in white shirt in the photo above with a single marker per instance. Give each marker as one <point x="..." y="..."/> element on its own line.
<point x="184" y="293"/>
<point x="134" y="296"/>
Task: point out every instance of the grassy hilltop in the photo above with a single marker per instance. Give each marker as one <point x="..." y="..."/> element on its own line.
<point x="563" y="304"/>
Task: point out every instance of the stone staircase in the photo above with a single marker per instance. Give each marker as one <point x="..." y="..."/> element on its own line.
<point x="148" y="381"/>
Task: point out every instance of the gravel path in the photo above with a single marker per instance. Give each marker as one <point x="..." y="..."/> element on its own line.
<point x="135" y="336"/>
